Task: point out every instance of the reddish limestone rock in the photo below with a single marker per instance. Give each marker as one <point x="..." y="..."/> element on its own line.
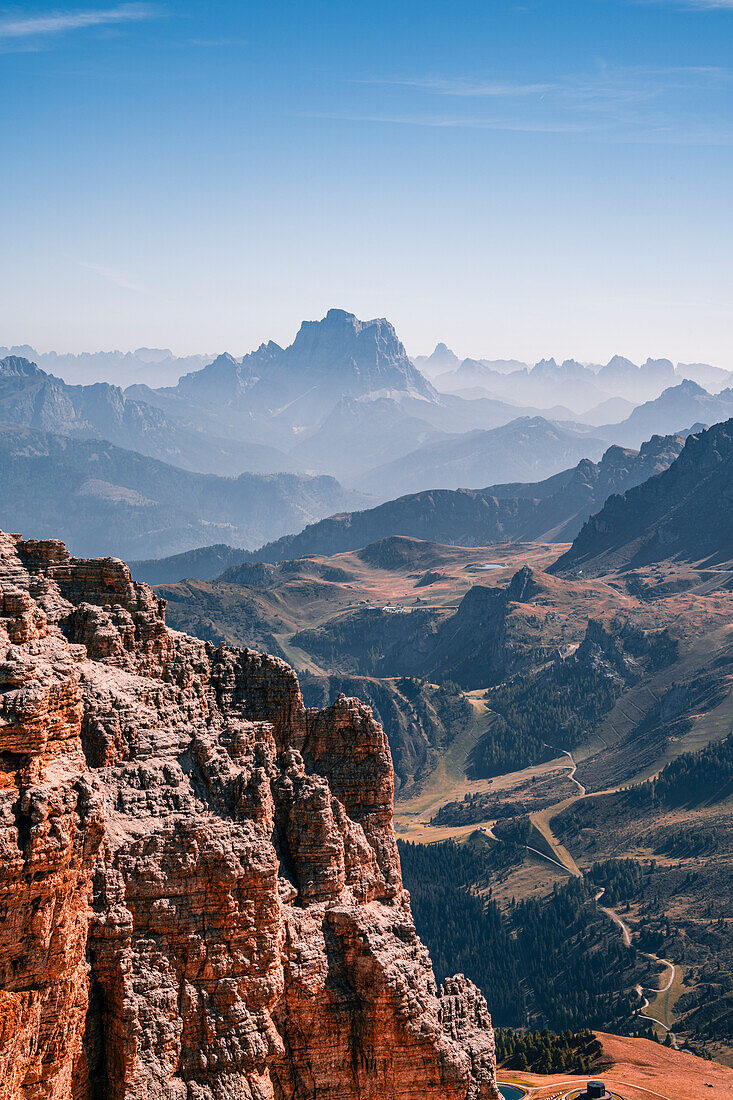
<point x="200" y="891"/>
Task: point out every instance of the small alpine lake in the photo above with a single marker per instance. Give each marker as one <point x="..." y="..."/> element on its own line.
<point x="511" y="1092"/>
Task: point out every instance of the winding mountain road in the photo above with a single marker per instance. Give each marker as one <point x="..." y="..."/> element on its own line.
<point x="626" y="933"/>
<point x="562" y="859"/>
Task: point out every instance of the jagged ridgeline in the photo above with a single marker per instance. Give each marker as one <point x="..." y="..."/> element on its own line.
<point x="202" y="891"/>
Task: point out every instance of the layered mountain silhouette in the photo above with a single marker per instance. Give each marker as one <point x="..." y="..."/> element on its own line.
<point x="149" y="366"/>
<point x="362" y="433"/>
<point x="683" y="513"/>
<point x="586" y="389"/>
<point x="553" y="510"/>
<point x="344" y="396"/>
<point x="525" y="449"/>
<point x="294" y="387"/>
<point x="32" y="398"/>
<point x="547" y="382"/>
<point x="104" y="500"/>
<point x="442" y="359"/>
<point x="677" y="408"/>
<point x="621" y="376"/>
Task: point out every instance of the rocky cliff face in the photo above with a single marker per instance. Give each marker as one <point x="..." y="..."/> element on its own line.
<point x="200" y="894"/>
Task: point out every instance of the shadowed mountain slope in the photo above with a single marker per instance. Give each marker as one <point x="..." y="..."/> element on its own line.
<point x="550" y="510"/>
<point x="684" y="513"/>
<point x="554" y="509"/>
<point x="675" y="409"/>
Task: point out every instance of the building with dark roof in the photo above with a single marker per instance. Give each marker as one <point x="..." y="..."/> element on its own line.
<point x="595" y="1090"/>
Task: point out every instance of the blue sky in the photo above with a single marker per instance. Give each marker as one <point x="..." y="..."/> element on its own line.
<point x="544" y="177"/>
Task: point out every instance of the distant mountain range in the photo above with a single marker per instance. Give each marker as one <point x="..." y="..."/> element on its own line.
<point x="103" y="500"/>
<point x="525" y="449"/>
<point x="684" y="513"/>
<point x="677" y="408"/>
<point x="546" y="383"/>
<point x="361" y="435"/>
<point x="579" y="385"/>
<point x="283" y="391"/>
<point x="32" y="398"/>
<point x="553" y="510"/>
<point x="343" y="399"/>
<point x="573" y="383"/>
<point x="443" y="360"/>
<point x="344" y="396"/>
<point x="150" y="366"/>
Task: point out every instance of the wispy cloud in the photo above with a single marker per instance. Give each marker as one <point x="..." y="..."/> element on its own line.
<point x="452" y="123"/>
<point x="609" y="83"/>
<point x="216" y="43"/>
<point x="658" y="134"/>
<point x="57" y="22"/>
<point x="488" y="90"/>
<point x="117" y="278"/>
<point x="662" y="104"/>
<point x="711" y="5"/>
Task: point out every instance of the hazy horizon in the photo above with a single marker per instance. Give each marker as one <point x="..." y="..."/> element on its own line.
<point x="413" y="353"/>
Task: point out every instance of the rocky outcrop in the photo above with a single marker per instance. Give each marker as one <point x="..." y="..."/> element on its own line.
<point x="420" y="719"/>
<point x="200" y="892"/>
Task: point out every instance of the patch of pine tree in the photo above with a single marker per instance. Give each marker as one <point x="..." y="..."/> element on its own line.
<point x="551" y="961"/>
<point x="694" y="778"/>
<point x="546" y="1052"/>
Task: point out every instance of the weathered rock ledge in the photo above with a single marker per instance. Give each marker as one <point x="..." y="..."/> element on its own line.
<point x="200" y="892"/>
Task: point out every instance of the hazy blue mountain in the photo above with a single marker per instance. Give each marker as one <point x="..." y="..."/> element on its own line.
<point x="442" y="359"/>
<point x="360" y="433"/>
<point x="674" y="410"/>
<point x="338" y="355"/>
<point x="636" y="383"/>
<point x="343" y="397"/>
<point x="713" y="379"/>
<point x="276" y="395"/>
<point x="150" y="366"/>
<point x="611" y="411"/>
<point x="102" y="499"/>
<point x="578" y="385"/>
<point x="528" y="448"/>
<point x="35" y="399"/>
<point x="546" y="383"/>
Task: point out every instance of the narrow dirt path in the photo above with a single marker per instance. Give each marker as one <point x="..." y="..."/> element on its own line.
<point x="573" y="770"/>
